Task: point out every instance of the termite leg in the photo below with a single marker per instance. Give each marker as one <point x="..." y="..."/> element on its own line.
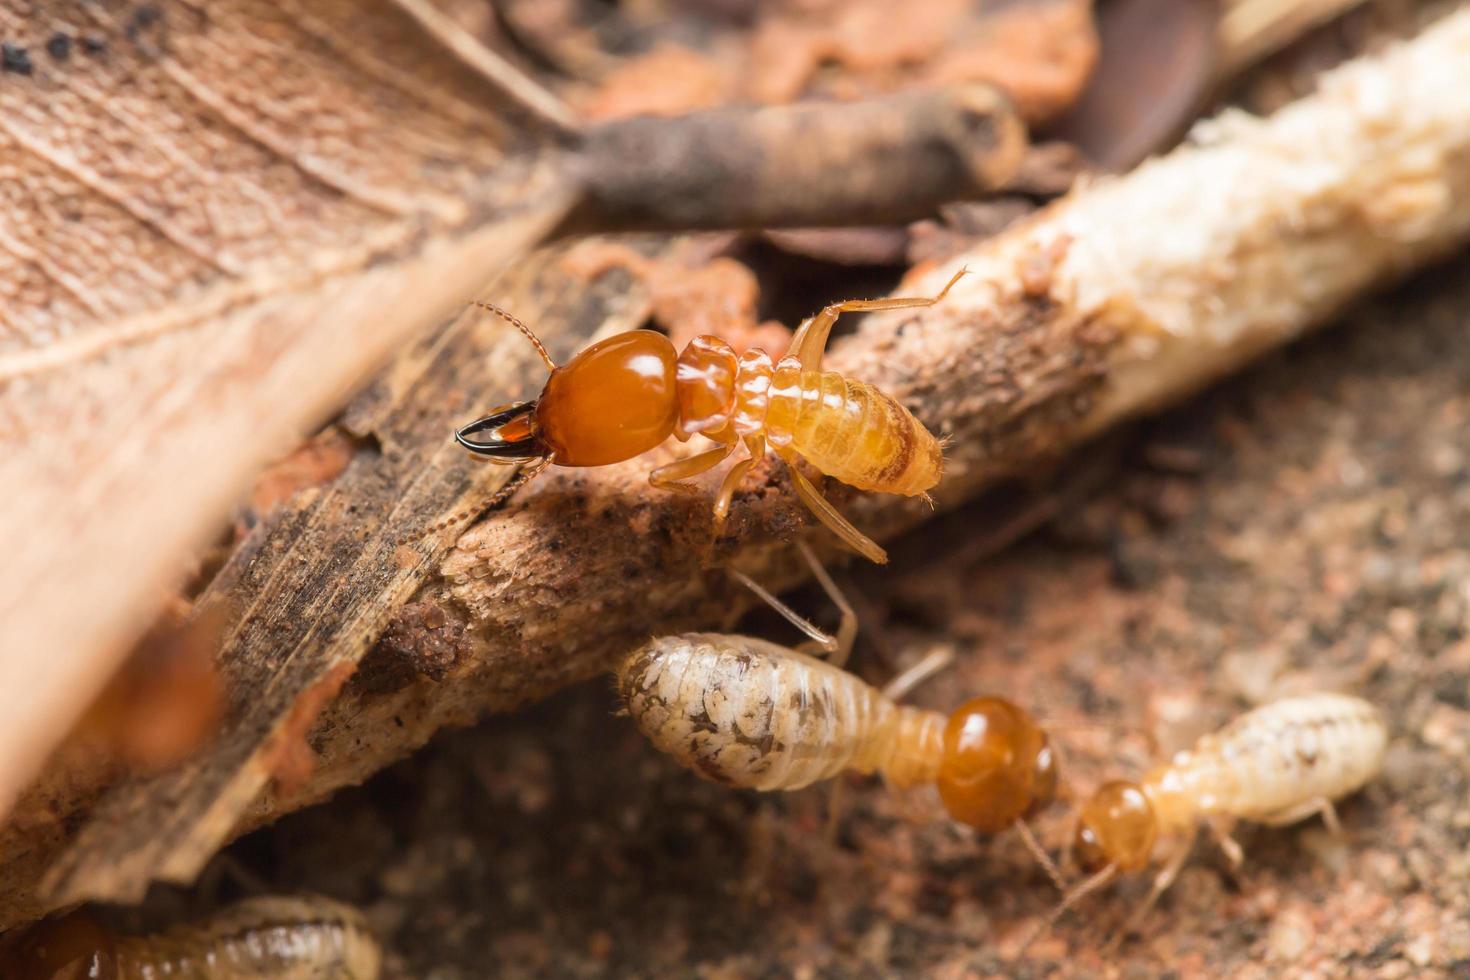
<point x="829" y="516"/>
<point x="1162" y="881"/>
<point x="672" y="476"/>
<point x="1302" y="811"/>
<point x="847" y="624"/>
<point x="811" y="337"/>
<point x="756" y="446"/>
<point x="1228" y="845"/>
<point x="918" y="672"/>
<point x="823" y="642"/>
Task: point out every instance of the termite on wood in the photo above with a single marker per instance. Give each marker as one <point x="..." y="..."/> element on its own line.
<point x="627" y="394"/>
<point x="756" y="715"/>
<point x="1281" y="763"/>
<point x="277" y="937"/>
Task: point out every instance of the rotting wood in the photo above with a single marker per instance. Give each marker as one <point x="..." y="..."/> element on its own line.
<point x="353" y="186"/>
<point x="215" y="227"/>
<point x="1130" y="294"/>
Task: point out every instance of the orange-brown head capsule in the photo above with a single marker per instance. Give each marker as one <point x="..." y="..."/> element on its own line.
<point x="1117" y="828"/>
<point x="997" y="767"/>
<point x="613" y="401"/>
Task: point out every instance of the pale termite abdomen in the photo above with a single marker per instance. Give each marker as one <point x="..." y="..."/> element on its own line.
<point x="752" y="714"/>
<point x="275" y="937"/>
<point x="284" y="938"/>
<point x="1272" y="760"/>
<point x="851" y="430"/>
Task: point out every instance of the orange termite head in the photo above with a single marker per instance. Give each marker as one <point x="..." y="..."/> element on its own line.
<point x="613" y="401"/>
<point x="998" y="765"/>
<point x="1117" y="828"/>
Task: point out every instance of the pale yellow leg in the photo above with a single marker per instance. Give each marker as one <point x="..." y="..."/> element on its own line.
<point x="918" y="672"/>
<point x="828" y="515"/>
<point x="1308" y="809"/>
<point x="1228" y="845"/>
<point x="811" y="337"/>
<point x="820" y="642"/>
<point x="756" y="446"/>
<point x="671" y="477"/>
<point x="1161" y="884"/>
<point x="847" y="624"/>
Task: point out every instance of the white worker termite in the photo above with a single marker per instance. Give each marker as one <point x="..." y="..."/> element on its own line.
<point x="1276" y="765"/>
<point x="756" y="715"/>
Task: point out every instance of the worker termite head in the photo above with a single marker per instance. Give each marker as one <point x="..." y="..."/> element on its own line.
<point x="998" y="765"/>
<point x="613" y="401"/>
<point x="1116" y="828"/>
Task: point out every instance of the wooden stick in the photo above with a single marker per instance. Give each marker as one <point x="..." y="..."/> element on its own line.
<point x="882" y="160"/>
<point x="1126" y="296"/>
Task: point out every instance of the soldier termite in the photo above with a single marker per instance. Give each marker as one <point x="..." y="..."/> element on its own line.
<point x="277" y="937"/>
<point x="627" y="394"/>
<point x="1276" y="765"/>
<point x="756" y="715"/>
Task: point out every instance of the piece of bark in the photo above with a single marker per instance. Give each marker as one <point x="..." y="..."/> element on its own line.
<point x="1117" y="300"/>
<point x="216" y="223"/>
<point x="325" y="571"/>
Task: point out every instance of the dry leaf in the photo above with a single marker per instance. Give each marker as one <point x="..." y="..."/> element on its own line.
<point x="217" y="218"/>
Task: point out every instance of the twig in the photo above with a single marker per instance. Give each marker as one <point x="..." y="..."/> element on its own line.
<point x="883" y="160"/>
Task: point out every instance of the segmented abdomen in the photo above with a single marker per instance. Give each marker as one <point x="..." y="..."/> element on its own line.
<point x="1278" y="757"/>
<point x="284" y="938"/>
<point x="749" y="713"/>
<point x="851" y="430"/>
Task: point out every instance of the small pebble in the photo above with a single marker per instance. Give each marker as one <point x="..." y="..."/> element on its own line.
<point x="14" y="58"/>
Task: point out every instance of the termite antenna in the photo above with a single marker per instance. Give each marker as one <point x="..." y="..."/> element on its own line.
<point x="1039" y="853"/>
<point x="1100" y="880"/>
<point x="528" y="473"/>
<point x="519" y="325"/>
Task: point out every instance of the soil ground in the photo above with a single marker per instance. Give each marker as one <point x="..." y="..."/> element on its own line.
<point x="1303" y="526"/>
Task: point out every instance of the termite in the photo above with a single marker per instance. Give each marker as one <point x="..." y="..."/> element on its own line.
<point x="280" y="937"/>
<point x="627" y="394"/>
<point x="752" y="714"/>
<point x="1279" y="764"/>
